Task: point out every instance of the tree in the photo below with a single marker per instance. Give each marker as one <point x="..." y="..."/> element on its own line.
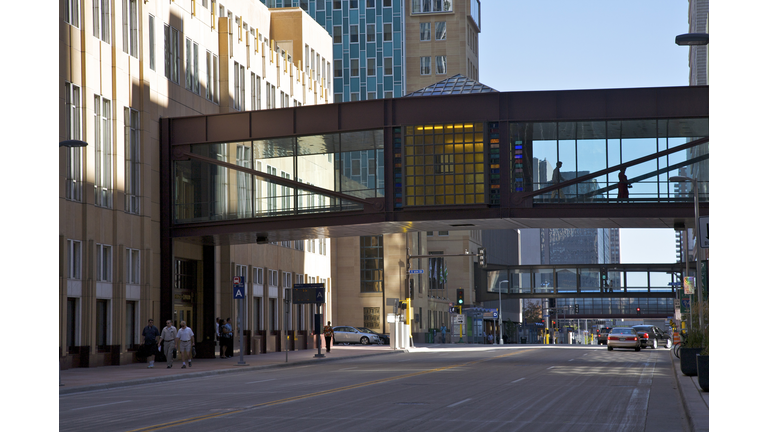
<point x="532" y="312"/>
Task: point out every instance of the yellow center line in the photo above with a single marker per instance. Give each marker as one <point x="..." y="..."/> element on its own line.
<point x="320" y="393"/>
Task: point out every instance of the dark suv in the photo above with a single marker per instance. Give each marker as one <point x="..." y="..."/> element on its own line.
<point x="602" y="336"/>
<point x="652" y="336"/>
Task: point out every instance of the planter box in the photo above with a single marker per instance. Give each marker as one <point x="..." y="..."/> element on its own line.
<point x="702" y="370"/>
<point x="688" y="360"/>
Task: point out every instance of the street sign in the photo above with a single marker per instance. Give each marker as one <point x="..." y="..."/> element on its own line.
<point x="459" y="319"/>
<point x="309" y="293"/>
<point x="704" y="231"/>
<point x="416" y="271"/>
<point x="238" y="288"/>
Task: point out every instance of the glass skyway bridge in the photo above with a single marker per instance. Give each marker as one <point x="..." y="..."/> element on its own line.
<point x="600" y="290"/>
<point x="477" y="161"/>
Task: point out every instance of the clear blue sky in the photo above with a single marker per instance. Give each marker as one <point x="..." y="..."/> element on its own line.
<point x="564" y="44"/>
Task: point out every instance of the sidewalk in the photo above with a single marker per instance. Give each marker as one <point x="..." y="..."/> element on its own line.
<point x="77" y="380"/>
<point x="695" y="401"/>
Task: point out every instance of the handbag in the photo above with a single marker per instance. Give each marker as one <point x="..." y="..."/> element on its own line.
<point x="194" y="353"/>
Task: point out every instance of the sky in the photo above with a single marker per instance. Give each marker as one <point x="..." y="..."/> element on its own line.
<point x="564" y="45"/>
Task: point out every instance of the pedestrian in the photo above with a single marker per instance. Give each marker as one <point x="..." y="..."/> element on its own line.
<point x="623" y="184"/>
<point x="328" y="333"/>
<point x="185" y="340"/>
<point x="226" y="334"/>
<point x="557" y="178"/>
<point x="150" y="334"/>
<point x="219" y="338"/>
<point x="168" y="341"/>
<point x="442" y="331"/>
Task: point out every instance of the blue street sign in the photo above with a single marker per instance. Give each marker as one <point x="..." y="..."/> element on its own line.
<point x="418" y="271"/>
<point x="238" y="288"/>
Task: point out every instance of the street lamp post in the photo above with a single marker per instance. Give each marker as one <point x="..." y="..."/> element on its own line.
<point x="699" y="296"/>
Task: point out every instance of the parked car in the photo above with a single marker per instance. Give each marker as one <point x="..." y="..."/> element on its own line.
<point x="352" y="335"/>
<point x="623" y="337"/>
<point x="652" y="336"/>
<point x="602" y="336"/>
<point x="383" y="339"/>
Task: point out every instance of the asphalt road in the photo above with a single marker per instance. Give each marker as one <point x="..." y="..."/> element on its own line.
<point x="541" y="388"/>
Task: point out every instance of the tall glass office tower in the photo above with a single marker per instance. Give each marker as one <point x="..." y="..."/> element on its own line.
<point x="368" y="45"/>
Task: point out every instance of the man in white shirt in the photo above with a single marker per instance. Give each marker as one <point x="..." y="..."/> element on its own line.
<point x="185" y="339"/>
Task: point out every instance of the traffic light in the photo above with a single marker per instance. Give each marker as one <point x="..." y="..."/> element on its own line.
<point x="460" y="296"/>
<point x="638" y="311"/>
<point x="603" y="277"/>
<point x="481" y="257"/>
<point x="576" y="308"/>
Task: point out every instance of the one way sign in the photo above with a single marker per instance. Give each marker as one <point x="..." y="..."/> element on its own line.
<point x="238" y="288"/>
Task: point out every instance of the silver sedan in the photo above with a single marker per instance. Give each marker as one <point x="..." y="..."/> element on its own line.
<point x="623" y="337"/>
<point x="347" y="334"/>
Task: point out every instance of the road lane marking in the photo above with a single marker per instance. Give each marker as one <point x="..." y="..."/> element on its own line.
<point x="96" y="406"/>
<point x="254" y="382"/>
<point x="190" y="420"/>
<point x="517" y="380"/>
<point x="459" y="403"/>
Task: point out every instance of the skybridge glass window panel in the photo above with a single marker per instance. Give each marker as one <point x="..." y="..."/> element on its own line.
<point x="543" y="281"/>
<point x="567" y="280"/>
<point x="637" y="281"/>
<point x="521" y="281"/>
<point x="660" y="281"/>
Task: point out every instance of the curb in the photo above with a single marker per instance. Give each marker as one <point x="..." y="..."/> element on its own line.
<point x="118" y="384"/>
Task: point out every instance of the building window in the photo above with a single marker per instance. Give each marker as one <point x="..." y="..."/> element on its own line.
<point x="429" y="6"/>
<point x="103" y="263"/>
<point x="371" y="264"/>
<point x="371" y="34"/>
<point x="102" y="20"/>
<point x="371" y="95"/>
<point x="387" y="32"/>
<point x="372" y="318"/>
<point x="337" y="69"/>
<point x="440" y="30"/>
<point x="151" y="32"/>
<point x="258" y="276"/>
<point x="131" y="318"/>
<point x="354" y="34"/>
<point x="102" y="109"/>
<point x="371" y="67"/>
<point x="74" y="259"/>
<point x="132" y="161"/>
<point x="244" y="185"/>
<point x="337" y="4"/>
<point x="212" y="77"/>
<point x="438" y="272"/>
<point x="426" y="66"/>
<point x="72" y="12"/>
<point x="132" y="266"/>
<point x="440" y="65"/>
<point x="192" y="72"/>
<point x="72" y="320"/>
<point x="73" y="123"/>
<point x="387" y="65"/>
<point x="337" y="34"/>
<point x="131" y="27"/>
<point x="172" y="53"/>
<point x="355" y="67"/>
<point x="102" y="325"/>
<point x="238" y="84"/>
<point x="273" y="282"/>
<point x="426" y="31"/>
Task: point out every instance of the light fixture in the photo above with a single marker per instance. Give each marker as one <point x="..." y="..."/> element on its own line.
<point x="692" y="39"/>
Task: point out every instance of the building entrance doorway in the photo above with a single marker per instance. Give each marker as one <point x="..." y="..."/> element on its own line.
<point x="181" y="313"/>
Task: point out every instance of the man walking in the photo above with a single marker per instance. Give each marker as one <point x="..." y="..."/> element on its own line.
<point x="226" y="334"/>
<point x="328" y="333"/>
<point x="150" y="334"/>
<point x="169" y="336"/>
<point x="185" y="340"/>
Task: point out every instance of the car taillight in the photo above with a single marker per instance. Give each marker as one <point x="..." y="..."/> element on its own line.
<point x="613" y="338"/>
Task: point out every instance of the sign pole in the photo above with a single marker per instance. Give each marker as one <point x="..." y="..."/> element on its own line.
<point x="238" y="292"/>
